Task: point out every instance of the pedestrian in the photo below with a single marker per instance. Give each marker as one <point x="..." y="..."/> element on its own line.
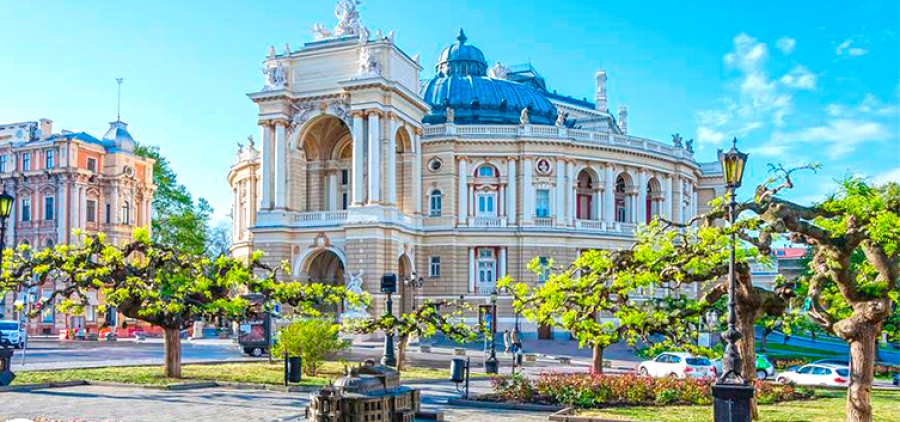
<point x="516" y="344"/>
<point x="506" y="341"/>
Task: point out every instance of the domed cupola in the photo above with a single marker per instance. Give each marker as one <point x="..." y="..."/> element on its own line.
<point x="461" y="59"/>
<point x="462" y="84"/>
<point x="117" y="137"/>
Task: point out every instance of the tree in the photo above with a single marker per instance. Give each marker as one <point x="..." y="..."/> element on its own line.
<point x="429" y="318"/>
<point x="851" y="298"/>
<point x="178" y="220"/>
<point x="312" y="339"/>
<point x="157" y="283"/>
<point x="218" y="238"/>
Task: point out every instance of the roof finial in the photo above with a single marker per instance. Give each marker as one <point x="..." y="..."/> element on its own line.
<point x="119" y="99"/>
<point x="462" y="36"/>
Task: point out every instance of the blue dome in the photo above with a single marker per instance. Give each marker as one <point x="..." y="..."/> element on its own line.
<point x="462" y="84"/>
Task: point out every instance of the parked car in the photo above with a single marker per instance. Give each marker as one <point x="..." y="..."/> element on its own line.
<point x="12" y="332"/>
<point x="764" y="368"/>
<point x="832" y="362"/>
<point x="814" y="374"/>
<point x="897" y="380"/>
<point x="677" y="364"/>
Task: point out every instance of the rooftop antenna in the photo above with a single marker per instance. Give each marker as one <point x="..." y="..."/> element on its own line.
<point x="119" y="99"/>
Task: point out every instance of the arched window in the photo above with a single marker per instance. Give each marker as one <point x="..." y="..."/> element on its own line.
<point x="48" y="243"/>
<point x="126" y="213"/>
<point x="435" y="203"/>
<point x="621" y="201"/>
<point x="486" y="171"/>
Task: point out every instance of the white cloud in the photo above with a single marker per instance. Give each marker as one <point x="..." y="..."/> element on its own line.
<point x="839" y="137"/>
<point x="847" y="48"/>
<point x="786" y="45"/>
<point x="799" y="77"/>
<point x="748" y="54"/>
<point x="888" y="176"/>
<point x="709" y="136"/>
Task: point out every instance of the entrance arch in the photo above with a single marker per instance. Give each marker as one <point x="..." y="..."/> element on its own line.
<point x="324" y="149"/>
<point x="322" y="265"/>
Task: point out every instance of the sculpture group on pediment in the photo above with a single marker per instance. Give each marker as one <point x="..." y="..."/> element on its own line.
<point x="368" y="66"/>
<point x="348" y="24"/>
<point x="276" y="77"/>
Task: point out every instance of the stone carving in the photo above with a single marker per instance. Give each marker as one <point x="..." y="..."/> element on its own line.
<point x="306" y="111"/>
<point x="364" y="34"/>
<point x="348" y="21"/>
<point x="250" y="142"/>
<point x="498" y="71"/>
<point x="368" y="66"/>
<point x="690" y="146"/>
<point x="379" y="35"/>
<point x="560" y="118"/>
<point x="390" y="36"/>
<point x="272" y="53"/>
<point x="676" y="140"/>
<point x="275" y="77"/>
<point x="354" y="285"/>
<point x="287" y="49"/>
<point x="450" y="114"/>
<point x="240" y="148"/>
<point x="523" y="118"/>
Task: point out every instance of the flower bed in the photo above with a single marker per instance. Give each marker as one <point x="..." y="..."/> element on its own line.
<point x="597" y="391"/>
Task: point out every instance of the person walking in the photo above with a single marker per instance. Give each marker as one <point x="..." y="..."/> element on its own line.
<point x="507" y="341"/>
<point x="514" y="339"/>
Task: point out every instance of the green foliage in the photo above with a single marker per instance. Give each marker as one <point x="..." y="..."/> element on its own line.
<point x="430" y="318"/>
<point x="315" y="340"/>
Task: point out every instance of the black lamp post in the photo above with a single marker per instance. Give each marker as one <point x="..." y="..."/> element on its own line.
<point x="491" y="364"/>
<point x="6" y="204"/>
<point x="731" y="392"/>
<point x="6" y="375"/>
<point x="389" y="287"/>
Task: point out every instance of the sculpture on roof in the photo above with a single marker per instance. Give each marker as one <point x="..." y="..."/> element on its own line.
<point x="275" y="76"/>
<point x="498" y="71"/>
<point x="367" y="64"/>
<point x="449" y="113"/>
<point x="250" y="141"/>
<point x="523" y="118"/>
<point x="690" y="146"/>
<point x="676" y="140"/>
<point x="560" y="118"/>
<point x="348" y="21"/>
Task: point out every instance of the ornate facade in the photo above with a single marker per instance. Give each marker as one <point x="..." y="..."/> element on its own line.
<point x="68" y="181"/>
<point x="460" y="179"/>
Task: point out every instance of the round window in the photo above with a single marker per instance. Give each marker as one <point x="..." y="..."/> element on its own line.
<point x="435" y="165"/>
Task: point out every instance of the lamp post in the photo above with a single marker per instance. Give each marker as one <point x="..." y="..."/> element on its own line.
<point x="6" y="204"/>
<point x="388" y="287"/>
<point x="731" y="392"/>
<point x="491" y="365"/>
<point x="6" y="375"/>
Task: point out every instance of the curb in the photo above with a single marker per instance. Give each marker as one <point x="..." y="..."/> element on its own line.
<point x="505" y="406"/>
<point x="565" y="415"/>
<point x="31" y="387"/>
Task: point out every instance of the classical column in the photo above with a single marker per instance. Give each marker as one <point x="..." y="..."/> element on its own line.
<point x="632" y="199"/>
<point x="82" y="203"/>
<point x="374" y="156"/>
<point x="74" y="215"/>
<point x="280" y="166"/>
<point x="679" y="200"/>
<point x="511" y="192"/>
<point x="560" y="208"/>
<point x="609" y="196"/>
<point x="462" y="207"/>
<point x="417" y="170"/>
<point x="115" y="205"/>
<point x="570" y="192"/>
<point x="503" y="266"/>
<point x="358" y="190"/>
<point x="391" y="160"/>
<point x="472" y="269"/>
<point x="667" y="200"/>
<point x="693" y="201"/>
<point x="527" y="190"/>
<point x="266" y="166"/>
<point x="333" y="190"/>
<point x="61" y="207"/>
<point x="642" y="197"/>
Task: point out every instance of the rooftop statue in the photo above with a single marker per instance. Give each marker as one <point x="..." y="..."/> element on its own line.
<point x="367" y="64"/>
<point x="348" y="21"/>
<point x="275" y="77"/>
<point x="523" y="118"/>
<point x="676" y="140"/>
<point x="498" y="71"/>
<point x="560" y="118"/>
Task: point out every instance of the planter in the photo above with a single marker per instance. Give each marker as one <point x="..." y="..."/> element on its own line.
<point x="425" y="349"/>
<point x="459" y="351"/>
<point x="531" y="357"/>
<point x="568" y="415"/>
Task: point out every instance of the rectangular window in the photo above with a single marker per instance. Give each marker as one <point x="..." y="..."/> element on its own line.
<point x="48" y="208"/>
<point x="3" y="163"/>
<point x="542" y="203"/>
<point x="26" y="209"/>
<point x="486" y="204"/>
<point x="544" y="265"/>
<point x="435" y="204"/>
<point x="108" y="214"/>
<point x="434" y="267"/>
<point x="345" y="177"/>
<point x="47" y="312"/>
<point x="26" y="161"/>
<point x="345" y="200"/>
<point x="48" y="158"/>
<point x="91" y="211"/>
<point x="92" y="164"/>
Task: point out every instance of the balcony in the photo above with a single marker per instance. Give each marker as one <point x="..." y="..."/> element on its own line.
<point x="485" y="288"/>
<point x="543" y="222"/>
<point x="319" y="218"/>
<point x="487" y="222"/>
<point x="592" y="225"/>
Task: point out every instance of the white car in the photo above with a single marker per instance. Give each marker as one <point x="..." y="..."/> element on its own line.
<point x="13" y="333"/>
<point x="677" y="365"/>
<point x="823" y="375"/>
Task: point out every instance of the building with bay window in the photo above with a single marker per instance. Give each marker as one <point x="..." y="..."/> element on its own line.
<point x="64" y="182"/>
<point x="361" y="169"/>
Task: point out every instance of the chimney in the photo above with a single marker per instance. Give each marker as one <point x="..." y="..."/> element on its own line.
<point x="623" y="119"/>
<point x="46" y="128"/>
<point x="600" y="96"/>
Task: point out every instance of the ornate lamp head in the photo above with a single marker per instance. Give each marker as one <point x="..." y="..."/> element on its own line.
<point x="733" y="163"/>
<point x="6" y="203"/>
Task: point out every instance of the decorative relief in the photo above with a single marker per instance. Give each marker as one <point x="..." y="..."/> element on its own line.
<point x="368" y="66"/>
<point x="349" y="22"/>
<point x="543" y="166"/>
<point x="275" y="77"/>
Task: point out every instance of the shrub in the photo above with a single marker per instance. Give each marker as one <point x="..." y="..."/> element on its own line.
<point x="314" y="340"/>
<point x="516" y="388"/>
<point x="768" y="393"/>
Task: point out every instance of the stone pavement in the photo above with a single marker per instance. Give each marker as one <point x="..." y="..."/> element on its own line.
<point x="96" y="403"/>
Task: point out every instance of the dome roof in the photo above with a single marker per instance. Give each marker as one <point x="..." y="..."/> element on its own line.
<point x="118" y="138"/>
<point x="461" y="59"/>
<point x="462" y="85"/>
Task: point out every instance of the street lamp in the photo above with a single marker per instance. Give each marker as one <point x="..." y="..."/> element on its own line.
<point x="388" y="287"/>
<point x="491" y="365"/>
<point x="731" y="393"/>
<point x="6" y="375"/>
<point x="6" y="204"/>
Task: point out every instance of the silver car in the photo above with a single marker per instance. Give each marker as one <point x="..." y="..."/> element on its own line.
<point x="12" y="333"/>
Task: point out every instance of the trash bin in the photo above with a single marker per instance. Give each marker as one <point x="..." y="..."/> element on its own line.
<point x="458" y="370"/>
<point x="295" y="369"/>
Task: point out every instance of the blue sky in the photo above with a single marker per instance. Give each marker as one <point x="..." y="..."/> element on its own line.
<point x="795" y="81"/>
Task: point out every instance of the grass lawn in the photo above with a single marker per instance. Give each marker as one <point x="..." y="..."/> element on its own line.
<point x="829" y="407"/>
<point x="249" y="372"/>
<point x="780" y="349"/>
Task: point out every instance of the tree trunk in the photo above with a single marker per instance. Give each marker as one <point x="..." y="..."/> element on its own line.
<point x="747" y="349"/>
<point x="173" y="352"/>
<point x="764" y="339"/>
<point x="402" y="342"/>
<point x="862" y="374"/>
<point x="597" y="361"/>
